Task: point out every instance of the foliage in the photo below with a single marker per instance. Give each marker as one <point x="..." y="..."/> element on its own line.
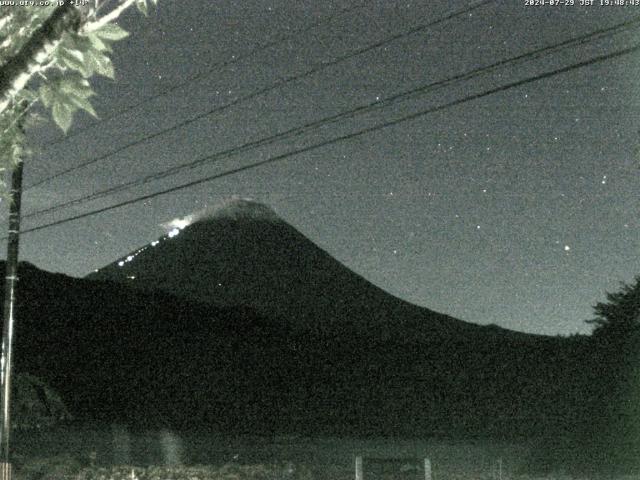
<point x="17" y="25"/>
<point x="66" y="466"/>
<point x="35" y="404"/>
<point x="610" y="434"/>
<point x="61" y="81"/>
<point x="48" y="468"/>
<point x="620" y="315"/>
<point x="227" y="472"/>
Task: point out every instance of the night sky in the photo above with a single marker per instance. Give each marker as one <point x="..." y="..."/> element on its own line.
<point x="519" y="208"/>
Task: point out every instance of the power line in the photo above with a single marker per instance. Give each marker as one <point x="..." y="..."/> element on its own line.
<point x="273" y="86"/>
<point x="215" y="67"/>
<point x="342" y="138"/>
<point x="342" y="115"/>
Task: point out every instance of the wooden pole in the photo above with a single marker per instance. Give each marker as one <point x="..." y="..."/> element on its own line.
<point x="6" y="358"/>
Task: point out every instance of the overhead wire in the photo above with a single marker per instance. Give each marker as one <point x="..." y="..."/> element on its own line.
<point x="283" y="156"/>
<point x="292" y="78"/>
<point x="299" y="130"/>
<point x="214" y="68"/>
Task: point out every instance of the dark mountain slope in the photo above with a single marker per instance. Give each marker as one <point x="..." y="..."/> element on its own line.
<point x="121" y="354"/>
<point x="243" y="254"/>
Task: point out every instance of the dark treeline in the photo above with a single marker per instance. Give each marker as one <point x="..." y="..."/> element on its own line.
<point x="148" y="359"/>
<point x="610" y="432"/>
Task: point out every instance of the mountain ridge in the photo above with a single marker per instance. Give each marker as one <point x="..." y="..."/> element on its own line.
<point x="259" y="260"/>
<point x="237" y="321"/>
<point x="148" y="358"/>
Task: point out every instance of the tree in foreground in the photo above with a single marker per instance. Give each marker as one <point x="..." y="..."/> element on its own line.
<point x="47" y="55"/>
<point x="611" y="434"/>
<point x="620" y="315"/>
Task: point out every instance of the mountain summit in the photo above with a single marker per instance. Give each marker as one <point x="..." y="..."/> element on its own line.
<point x="234" y="208"/>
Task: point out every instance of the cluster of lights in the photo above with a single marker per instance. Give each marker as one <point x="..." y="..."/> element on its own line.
<point x="177" y="224"/>
<point x="131" y="257"/>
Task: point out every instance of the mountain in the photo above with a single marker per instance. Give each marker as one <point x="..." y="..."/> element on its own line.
<point x="242" y="253"/>
<point x="341" y="351"/>
<point x="236" y="322"/>
<point x="121" y="354"/>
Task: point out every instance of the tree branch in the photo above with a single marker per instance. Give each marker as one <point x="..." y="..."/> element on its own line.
<point x="109" y="17"/>
<point x="16" y="72"/>
<point x="5" y="19"/>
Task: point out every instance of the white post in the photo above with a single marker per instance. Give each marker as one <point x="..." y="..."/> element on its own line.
<point x="359" y="468"/>
<point x="427" y="469"/>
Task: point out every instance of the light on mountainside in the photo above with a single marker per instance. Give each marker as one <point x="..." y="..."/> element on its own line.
<point x="180" y="223"/>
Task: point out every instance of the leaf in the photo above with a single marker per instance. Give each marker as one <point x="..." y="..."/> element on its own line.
<point x="74" y="84"/>
<point x="74" y="91"/>
<point x="142" y="6"/>
<point x="83" y="103"/>
<point x="65" y="95"/>
<point x="112" y="32"/>
<point x="46" y="95"/>
<point x="75" y="60"/>
<point x="101" y="64"/>
<point x="75" y="41"/>
<point x="62" y="115"/>
<point x="98" y="44"/>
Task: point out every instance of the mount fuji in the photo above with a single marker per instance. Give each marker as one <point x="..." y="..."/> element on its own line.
<point x="234" y="320"/>
<point x="242" y="253"/>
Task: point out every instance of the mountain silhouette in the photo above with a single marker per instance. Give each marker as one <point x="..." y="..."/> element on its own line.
<point x="237" y="322"/>
<point x="353" y="351"/>
<point x="242" y="253"/>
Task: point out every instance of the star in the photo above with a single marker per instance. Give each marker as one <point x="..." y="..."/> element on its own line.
<point x="527" y="201"/>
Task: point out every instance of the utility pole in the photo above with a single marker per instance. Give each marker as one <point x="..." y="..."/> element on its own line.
<point x="11" y="279"/>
